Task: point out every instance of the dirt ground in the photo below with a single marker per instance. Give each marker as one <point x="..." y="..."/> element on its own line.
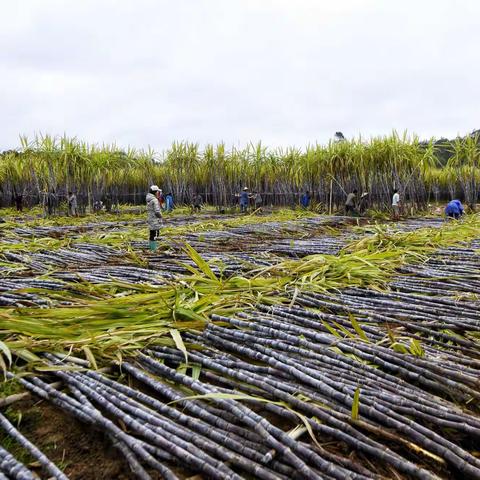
<point x="82" y="453"/>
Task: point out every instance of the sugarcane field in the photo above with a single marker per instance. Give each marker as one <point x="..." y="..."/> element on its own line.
<point x="288" y="338"/>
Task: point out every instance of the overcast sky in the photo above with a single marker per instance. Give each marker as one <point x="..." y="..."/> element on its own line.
<point x="287" y="72"/>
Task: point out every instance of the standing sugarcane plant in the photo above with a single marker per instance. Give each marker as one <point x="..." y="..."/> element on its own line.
<point x="376" y="166"/>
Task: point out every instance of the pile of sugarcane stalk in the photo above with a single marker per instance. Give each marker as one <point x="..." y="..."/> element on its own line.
<point x="300" y="369"/>
<point x="283" y="366"/>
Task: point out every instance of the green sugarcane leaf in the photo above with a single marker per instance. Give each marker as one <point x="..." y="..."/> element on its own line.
<point x="356" y="404"/>
<point x="182" y="368"/>
<point x="399" y="347"/>
<point x="186" y="314"/>
<point x="358" y="328"/>
<point x="177" y="338"/>
<point x="27" y="355"/>
<point x="344" y="330"/>
<point x="331" y="329"/>
<point x="200" y="262"/>
<point x="416" y="348"/>
<point x="196" y="369"/>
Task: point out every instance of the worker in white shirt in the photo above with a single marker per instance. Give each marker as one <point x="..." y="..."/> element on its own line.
<point x="396" y="205"/>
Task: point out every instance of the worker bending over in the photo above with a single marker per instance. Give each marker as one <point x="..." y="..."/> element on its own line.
<point x="454" y="209"/>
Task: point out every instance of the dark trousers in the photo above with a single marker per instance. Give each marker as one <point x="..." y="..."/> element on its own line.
<point x="153" y="234"/>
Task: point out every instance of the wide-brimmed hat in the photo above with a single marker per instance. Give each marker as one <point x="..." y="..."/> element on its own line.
<point x="154" y="188"/>
<point x="245" y="188"/>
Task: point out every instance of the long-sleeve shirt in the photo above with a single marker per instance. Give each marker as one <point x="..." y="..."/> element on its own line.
<point x="153" y="210"/>
<point x="305" y="200"/>
<point x="454" y="208"/>
<point x="350" y="202"/>
<point x="244" y="198"/>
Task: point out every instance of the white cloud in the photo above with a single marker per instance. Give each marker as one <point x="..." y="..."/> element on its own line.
<point x="151" y="72"/>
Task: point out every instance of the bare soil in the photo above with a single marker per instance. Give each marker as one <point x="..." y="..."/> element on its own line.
<point x="82" y="452"/>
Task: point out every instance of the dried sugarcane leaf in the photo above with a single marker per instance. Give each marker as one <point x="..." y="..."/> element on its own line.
<point x="90" y="357"/>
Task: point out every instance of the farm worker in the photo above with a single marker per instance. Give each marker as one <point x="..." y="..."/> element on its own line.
<point x="19" y="202"/>
<point x="396" y="205"/>
<point x="244" y="198"/>
<point x="107" y="201"/>
<point x="197" y="202"/>
<point x="97" y="206"/>
<point x="154" y="215"/>
<point x="305" y="199"/>
<point x="350" y="202"/>
<point x="454" y="209"/>
<point x="257" y="198"/>
<point x="361" y="202"/>
<point x="72" y="204"/>
<point x="161" y="199"/>
<point x="169" y="202"/>
<point x="51" y="202"/>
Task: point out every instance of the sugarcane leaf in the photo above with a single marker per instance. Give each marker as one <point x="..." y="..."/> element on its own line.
<point x="182" y="368"/>
<point x="235" y="396"/>
<point x="177" y="338"/>
<point x="223" y="396"/>
<point x="3" y="367"/>
<point x="196" y="369"/>
<point x="59" y="368"/>
<point x="200" y="262"/>
<point x="399" y="347"/>
<point x="6" y="351"/>
<point x="356" y="404"/>
<point x="358" y="328"/>
<point x="26" y="355"/>
<point x="184" y="313"/>
<point x="390" y="335"/>
<point x="344" y="330"/>
<point x="90" y="357"/>
<point x="416" y="348"/>
<point x="306" y="422"/>
<point x="331" y="329"/>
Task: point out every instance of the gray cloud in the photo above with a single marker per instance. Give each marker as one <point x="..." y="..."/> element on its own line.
<point x="150" y="72"/>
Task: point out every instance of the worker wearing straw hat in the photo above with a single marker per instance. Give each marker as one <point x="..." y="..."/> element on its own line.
<point x="244" y="198"/>
<point x="154" y="215"/>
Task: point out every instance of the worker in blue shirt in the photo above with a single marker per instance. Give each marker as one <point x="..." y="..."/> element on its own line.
<point x="454" y="209"/>
<point x="169" y="202"/>
<point x="244" y="199"/>
<point x="305" y="200"/>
